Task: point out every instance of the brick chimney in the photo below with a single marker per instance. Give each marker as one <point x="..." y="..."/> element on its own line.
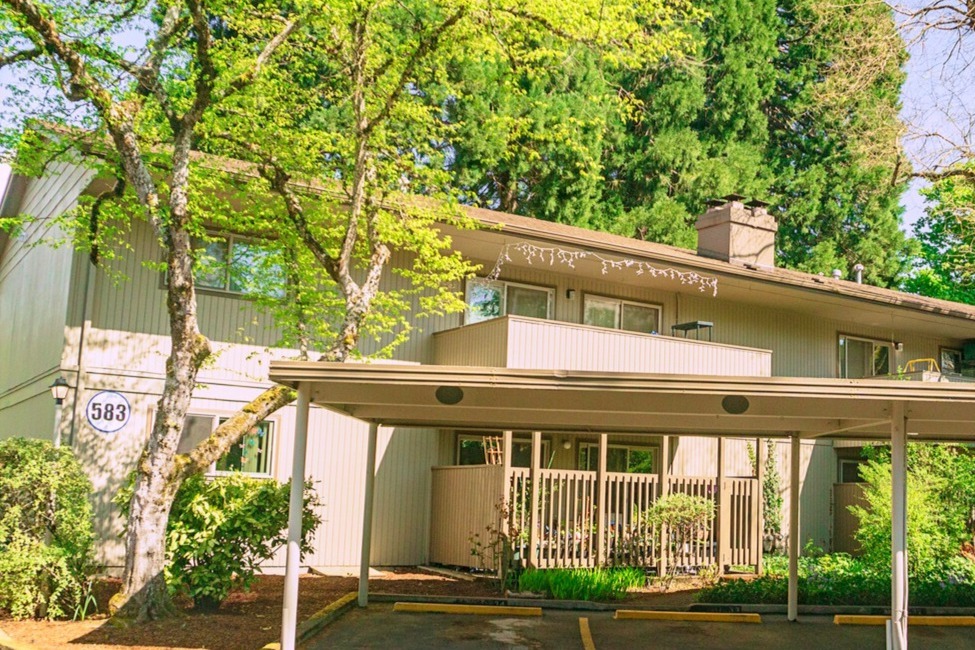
<point x="735" y="231"/>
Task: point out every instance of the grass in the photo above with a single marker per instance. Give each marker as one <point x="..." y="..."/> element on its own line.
<point x="582" y="584"/>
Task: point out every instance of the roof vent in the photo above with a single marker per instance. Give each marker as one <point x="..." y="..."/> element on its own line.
<point x="731" y="230"/>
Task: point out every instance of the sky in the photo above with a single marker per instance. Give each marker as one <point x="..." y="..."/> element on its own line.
<point x="938" y="97"/>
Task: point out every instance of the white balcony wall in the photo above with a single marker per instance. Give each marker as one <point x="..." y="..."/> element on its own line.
<point x="517" y="342"/>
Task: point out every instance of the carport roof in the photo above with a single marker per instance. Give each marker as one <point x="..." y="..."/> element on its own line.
<point x="575" y="401"/>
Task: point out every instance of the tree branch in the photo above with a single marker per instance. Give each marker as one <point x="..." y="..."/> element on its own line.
<point x="18" y="57"/>
<point x="425" y="46"/>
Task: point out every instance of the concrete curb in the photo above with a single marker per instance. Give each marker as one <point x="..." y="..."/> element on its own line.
<point x="575" y="605"/>
<point x="831" y="610"/>
<point x="483" y="610"/>
<point x="929" y="621"/>
<point x="709" y="617"/>
<point x="314" y="624"/>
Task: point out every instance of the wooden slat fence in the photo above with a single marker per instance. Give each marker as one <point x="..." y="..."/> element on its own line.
<point x="565" y="529"/>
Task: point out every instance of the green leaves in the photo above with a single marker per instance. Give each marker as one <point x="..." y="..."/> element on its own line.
<point x="221" y="529"/>
<point x="46" y="536"/>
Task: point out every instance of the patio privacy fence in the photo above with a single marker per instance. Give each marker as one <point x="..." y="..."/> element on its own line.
<point x="580" y="522"/>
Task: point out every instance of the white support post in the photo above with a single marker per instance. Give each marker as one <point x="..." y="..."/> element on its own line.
<point x="289" y="610"/>
<point x="534" y="546"/>
<point x="664" y="491"/>
<point x="760" y="450"/>
<point x="794" y="458"/>
<point x="603" y="496"/>
<point x="724" y="512"/>
<point x="898" y="540"/>
<point x="367" y="515"/>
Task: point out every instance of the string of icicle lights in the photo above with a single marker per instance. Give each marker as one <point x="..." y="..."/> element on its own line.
<point x="552" y="255"/>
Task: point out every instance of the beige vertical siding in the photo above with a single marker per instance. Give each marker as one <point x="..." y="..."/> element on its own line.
<point x="464" y="503"/>
<point x="482" y="344"/>
<point x="516" y="342"/>
<point x="34" y="292"/>
<point x="845" y="523"/>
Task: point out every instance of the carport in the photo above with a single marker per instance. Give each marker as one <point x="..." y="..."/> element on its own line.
<point x="578" y="402"/>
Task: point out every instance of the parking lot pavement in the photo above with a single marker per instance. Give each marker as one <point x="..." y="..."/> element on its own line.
<point x="380" y="627"/>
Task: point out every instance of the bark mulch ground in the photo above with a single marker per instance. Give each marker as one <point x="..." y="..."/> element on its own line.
<point x="249" y="620"/>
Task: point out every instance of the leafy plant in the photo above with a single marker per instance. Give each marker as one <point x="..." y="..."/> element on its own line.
<point x="582" y="584"/>
<point x="939" y="510"/>
<point x="771" y="494"/>
<point x="501" y="547"/>
<point x="839" y="579"/>
<point x="220" y="530"/>
<point x="686" y="518"/>
<point x="46" y="536"/>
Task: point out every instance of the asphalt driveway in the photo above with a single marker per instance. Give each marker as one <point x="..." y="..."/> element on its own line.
<point x="380" y="627"/>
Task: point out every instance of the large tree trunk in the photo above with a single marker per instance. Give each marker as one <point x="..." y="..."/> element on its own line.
<point x="143" y="593"/>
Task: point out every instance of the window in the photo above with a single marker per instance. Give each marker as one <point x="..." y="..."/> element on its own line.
<point x="850" y="471"/>
<point x="621" y="314"/>
<point x="470" y="450"/>
<point x="630" y="459"/>
<point x="251" y="455"/>
<point x="237" y="265"/>
<point x="487" y="299"/>
<point x="863" y="357"/>
<point x="950" y="361"/>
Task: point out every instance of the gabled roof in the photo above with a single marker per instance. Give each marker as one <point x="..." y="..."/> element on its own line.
<point x="624" y="246"/>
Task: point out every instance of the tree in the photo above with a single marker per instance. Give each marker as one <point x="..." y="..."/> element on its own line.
<point x="148" y="103"/>
<point x="946" y="266"/>
<point x="769" y="103"/>
<point x="835" y="139"/>
<point x="208" y="77"/>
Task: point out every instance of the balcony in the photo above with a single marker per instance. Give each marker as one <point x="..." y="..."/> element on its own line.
<point x="519" y="342"/>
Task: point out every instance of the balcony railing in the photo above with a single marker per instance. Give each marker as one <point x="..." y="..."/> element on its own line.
<point x="518" y="342"/>
<point x="561" y="522"/>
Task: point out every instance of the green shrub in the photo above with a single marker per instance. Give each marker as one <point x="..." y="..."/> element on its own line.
<point x="46" y="534"/>
<point x="839" y="579"/>
<point x="938" y="507"/>
<point x="582" y="584"/>
<point x="221" y="529"/>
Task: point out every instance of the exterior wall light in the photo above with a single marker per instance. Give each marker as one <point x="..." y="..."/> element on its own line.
<point x="59" y="390"/>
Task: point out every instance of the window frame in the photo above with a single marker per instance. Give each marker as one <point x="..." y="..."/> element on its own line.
<point x="622" y="302"/>
<point x="941" y="353"/>
<point x="586" y="447"/>
<point x="230" y="239"/>
<point x="215" y="418"/>
<point x="843" y="462"/>
<point x="522" y="439"/>
<point x="842" y="365"/>
<point x="470" y="283"/>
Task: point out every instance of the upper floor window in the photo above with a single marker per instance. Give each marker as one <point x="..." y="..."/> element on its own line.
<point x="864" y="357"/>
<point x="951" y="361"/>
<point x="251" y="455"/>
<point x="238" y="265"/>
<point x="621" y="314"/>
<point x="488" y="299"/>
<point x="633" y="459"/>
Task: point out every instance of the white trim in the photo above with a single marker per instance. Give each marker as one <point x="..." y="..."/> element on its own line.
<point x="503" y="307"/>
<point x="842" y="355"/>
<point x="588" y="446"/>
<point x="622" y="302"/>
<point x="271" y="447"/>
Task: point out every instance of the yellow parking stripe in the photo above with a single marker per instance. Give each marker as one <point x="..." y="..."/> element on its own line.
<point x="587" y="642"/>
<point x="440" y="608"/>
<point x="711" y="617"/>
<point x="932" y="621"/>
